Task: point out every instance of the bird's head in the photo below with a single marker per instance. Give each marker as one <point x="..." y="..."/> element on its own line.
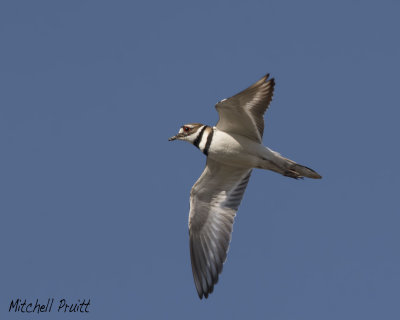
<point x="187" y="132"/>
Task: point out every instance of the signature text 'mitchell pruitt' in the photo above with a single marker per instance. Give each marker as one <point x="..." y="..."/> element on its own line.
<point x="23" y="306"/>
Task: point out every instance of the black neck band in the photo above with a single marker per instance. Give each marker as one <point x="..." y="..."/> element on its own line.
<point x="208" y="143"/>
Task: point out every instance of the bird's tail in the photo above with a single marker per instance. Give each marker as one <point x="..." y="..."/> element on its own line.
<point x="298" y="171"/>
<point x="289" y="168"/>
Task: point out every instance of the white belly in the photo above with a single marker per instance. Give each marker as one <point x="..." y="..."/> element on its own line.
<point x="236" y="150"/>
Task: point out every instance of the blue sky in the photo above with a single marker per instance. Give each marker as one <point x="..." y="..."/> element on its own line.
<point x="94" y="199"/>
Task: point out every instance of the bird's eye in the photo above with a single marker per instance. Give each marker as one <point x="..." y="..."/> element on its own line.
<point x="186" y="129"/>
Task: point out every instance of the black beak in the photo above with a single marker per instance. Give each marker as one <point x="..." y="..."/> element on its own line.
<point x="179" y="135"/>
<point x="173" y="138"/>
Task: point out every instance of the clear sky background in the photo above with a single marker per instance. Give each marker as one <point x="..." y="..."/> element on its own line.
<point x="94" y="199"/>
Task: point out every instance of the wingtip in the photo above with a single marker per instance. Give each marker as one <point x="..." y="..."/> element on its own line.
<point x="266" y="77"/>
<point x="266" y="80"/>
<point x="202" y="295"/>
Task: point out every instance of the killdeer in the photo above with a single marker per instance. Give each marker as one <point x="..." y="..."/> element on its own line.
<point x="233" y="148"/>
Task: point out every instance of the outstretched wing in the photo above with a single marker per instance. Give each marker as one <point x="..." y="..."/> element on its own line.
<point x="244" y="112"/>
<point x="214" y="200"/>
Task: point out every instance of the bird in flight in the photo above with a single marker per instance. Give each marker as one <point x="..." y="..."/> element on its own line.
<point x="233" y="149"/>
